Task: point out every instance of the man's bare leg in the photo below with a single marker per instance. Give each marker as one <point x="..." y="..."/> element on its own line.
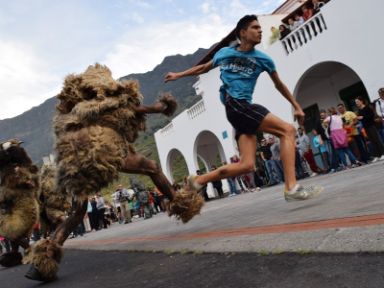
<point x="247" y="147"/>
<point x="138" y="164"/>
<point x="286" y="133"/>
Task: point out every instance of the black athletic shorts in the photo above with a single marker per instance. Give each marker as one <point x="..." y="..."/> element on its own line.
<point x="244" y="117"/>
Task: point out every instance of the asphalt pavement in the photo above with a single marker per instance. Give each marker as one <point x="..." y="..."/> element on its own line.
<point x="251" y="240"/>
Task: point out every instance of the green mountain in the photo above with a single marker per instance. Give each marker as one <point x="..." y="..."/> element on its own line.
<point x="34" y="126"/>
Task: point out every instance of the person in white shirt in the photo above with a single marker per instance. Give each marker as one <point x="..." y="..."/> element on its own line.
<point x="122" y="197"/>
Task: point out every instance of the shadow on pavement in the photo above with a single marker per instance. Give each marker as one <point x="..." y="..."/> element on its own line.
<point x="95" y="269"/>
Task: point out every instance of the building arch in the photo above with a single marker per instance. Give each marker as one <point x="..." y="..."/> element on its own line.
<point x="175" y="157"/>
<point x="209" y="151"/>
<point x="207" y="146"/>
<point x="325" y="85"/>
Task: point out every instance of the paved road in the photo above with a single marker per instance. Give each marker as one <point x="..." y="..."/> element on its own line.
<point x="348" y="216"/>
<point x="251" y="240"/>
<point x="102" y="269"/>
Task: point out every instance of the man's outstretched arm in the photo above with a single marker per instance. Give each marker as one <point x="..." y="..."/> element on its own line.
<point x="282" y="88"/>
<point x="194" y="71"/>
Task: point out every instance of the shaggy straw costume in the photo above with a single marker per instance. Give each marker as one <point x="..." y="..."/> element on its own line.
<point x="18" y="199"/>
<point x="54" y="206"/>
<point x="97" y="121"/>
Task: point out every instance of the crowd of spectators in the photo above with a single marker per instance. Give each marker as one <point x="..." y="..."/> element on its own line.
<point x="296" y="19"/>
<point x="126" y="204"/>
<point x="341" y="140"/>
<point x="345" y="139"/>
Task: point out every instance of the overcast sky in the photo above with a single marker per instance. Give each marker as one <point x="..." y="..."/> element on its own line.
<point x="42" y="41"/>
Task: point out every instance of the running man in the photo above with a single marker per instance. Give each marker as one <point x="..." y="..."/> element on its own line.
<point x="240" y="66"/>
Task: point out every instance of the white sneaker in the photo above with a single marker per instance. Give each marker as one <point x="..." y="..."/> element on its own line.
<point x="381" y="158"/>
<point x="375" y="160"/>
<point x="300" y="193"/>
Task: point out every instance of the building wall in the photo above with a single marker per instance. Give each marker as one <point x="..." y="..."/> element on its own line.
<point x="349" y="39"/>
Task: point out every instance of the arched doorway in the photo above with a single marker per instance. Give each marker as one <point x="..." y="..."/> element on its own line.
<point x="209" y="152"/>
<point x="177" y="166"/>
<point x="325" y="85"/>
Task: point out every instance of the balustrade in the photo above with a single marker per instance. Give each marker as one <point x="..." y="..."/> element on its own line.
<point x="300" y="36"/>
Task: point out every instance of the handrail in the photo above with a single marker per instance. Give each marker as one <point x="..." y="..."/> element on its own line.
<point x="196" y="109"/>
<point x="300" y="36"/>
<point x="192" y="113"/>
<point x="167" y="129"/>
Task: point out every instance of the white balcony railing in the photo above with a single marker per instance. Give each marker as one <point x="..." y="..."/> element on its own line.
<point x="167" y="129"/>
<point x="302" y="35"/>
<point x="196" y="110"/>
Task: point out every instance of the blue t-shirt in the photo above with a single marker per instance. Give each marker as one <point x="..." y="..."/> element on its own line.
<point x="239" y="71"/>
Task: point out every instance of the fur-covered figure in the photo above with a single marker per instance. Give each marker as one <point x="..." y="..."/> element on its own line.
<point x="19" y="209"/>
<point x="54" y="206"/>
<point x="97" y="120"/>
<point x="45" y="255"/>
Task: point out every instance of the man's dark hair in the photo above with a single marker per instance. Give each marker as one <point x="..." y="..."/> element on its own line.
<point x="244" y="23"/>
<point x="340" y="104"/>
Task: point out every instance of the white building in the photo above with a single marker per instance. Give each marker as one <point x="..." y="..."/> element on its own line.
<point x="334" y="57"/>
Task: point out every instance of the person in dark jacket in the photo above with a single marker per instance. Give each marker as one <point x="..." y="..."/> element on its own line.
<point x="367" y="116"/>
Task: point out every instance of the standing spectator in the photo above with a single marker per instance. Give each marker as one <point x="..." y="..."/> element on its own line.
<point x="379" y="109"/>
<point x="322" y="129"/>
<point x="303" y="143"/>
<point x="300" y="173"/>
<point x="123" y="198"/>
<point x="204" y="190"/>
<point x="259" y="174"/>
<point x="284" y="31"/>
<point x="236" y="159"/>
<point x="270" y="165"/>
<point x="355" y="140"/>
<point x="367" y="117"/>
<point x="275" y="150"/>
<point x="87" y="222"/>
<point x="94" y="214"/>
<point x="339" y="138"/>
<point x="319" y="143"/>
<point x="275" y="35"/>
<point x="218" y="185"/>
<point x="292" y="24"/>
<point x="151" y="201"/>
<point x="136" y="209"/>
<point x="317" y="5"/>
<point x="305" y="150"/>
<point x="307" y="12"/>
<point x="4" y="242"/>
<point x="143" y="198"/>
<point x="232" y="186"/>
<point x="100" y="204"/>
<point x="116" y="207"/>
<point x="158" y="197"/>
<point x="299" y="20"/>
